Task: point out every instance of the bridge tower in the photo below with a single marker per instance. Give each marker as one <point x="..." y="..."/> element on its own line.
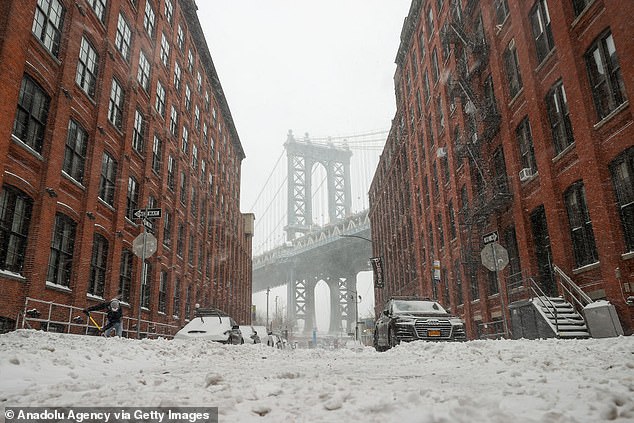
<point x="302" y="279"/>
<point x="302" y="156"/>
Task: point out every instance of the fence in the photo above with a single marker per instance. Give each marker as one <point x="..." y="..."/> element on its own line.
<point x="53" y="317"/>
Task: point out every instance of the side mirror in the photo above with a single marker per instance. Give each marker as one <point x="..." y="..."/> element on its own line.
<point x="386" y="312"/>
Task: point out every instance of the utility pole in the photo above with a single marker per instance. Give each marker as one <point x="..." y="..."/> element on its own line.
<point x="277" y="319"/>
<point x="268" y="289"/>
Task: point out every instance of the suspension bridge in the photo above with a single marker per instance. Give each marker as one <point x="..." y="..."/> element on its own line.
<point x="312" y="224"/>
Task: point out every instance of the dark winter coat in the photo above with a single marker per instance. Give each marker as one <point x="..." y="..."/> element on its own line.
<point x="113" y="316"/>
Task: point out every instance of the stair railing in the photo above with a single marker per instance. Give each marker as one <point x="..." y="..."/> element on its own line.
<point x="538" y="294"/>
<point x="573" y="291"/>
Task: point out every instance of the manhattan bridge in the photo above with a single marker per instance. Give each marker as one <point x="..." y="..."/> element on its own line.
<point x="312" y="225"/>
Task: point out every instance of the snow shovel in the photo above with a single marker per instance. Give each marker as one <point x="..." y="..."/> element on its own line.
<point x="93" y="322"/>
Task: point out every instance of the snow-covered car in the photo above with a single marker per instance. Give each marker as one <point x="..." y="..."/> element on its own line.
<point x="274" y="340"/>
<point x="252" y="334"/>
<point x="406" y="319"/>
<point x="212" y="325"/>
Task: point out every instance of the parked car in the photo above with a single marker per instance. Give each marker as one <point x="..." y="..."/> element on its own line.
<point x="406" y="319"/>
<point x="252" y="334"/>
<point x="274" y="340"/>
<point x="214" y="325"/>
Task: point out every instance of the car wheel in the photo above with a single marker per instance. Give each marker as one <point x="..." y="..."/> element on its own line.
<point x="392" y="340"/>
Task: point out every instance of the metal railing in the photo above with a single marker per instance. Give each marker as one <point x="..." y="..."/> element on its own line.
<point x="53" y="317"/>
<point x="571" y="291"/>
<point x="527" y="288"/>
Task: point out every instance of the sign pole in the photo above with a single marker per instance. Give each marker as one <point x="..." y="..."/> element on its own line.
<point x="502" y="302"/>
<point x="143" y="277"/>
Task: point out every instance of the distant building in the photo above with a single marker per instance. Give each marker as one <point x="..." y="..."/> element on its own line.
<point x="110" y="107"/>
<point x="512" y="117"/>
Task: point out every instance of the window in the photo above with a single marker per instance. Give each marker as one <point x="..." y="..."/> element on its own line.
<point x="501" y="11"/>
<point x="176" y="299"/>
<point x="430" y="22"/>
<point x="188" y="97"/>
<point x="167" y="228"/>
<point x="123" y="38"/>
<point x="75" y="151"/>
<point x="185" y="140"/>
<point x="207" y="101"/>
<point x="426" y="88"/>
<point x="169" y="11"/>
<point x="581" y="5"/>
<point x="190" y="251"/>
<point x="125" y="275"/>
<point x="160" y="98"/>
<point x="194" y="157"/>
<point x="60" y="261"/>
<point x="132" y="198"/>
<point x="86" y="76"/>
<point x="512" y="68"/>
<point x="581" y="232"/>
<point x="108" y="178"/>
<point x="15" y="217"/>
<point x="31" y="114"/>
<point x="540" y="24"/>
<point x="180" y="38"/>
<point x="148" y="19"/>
<point x="188" y="306"/>
<point x="171" y="169"/>
<point x="194" y="201"/>
<point x="196" y="117"/>
<point x="440" y="114"/>
<point x="525" y="142"/>
<point x="115" y="105"/>
<point x="138" y="132"/>
<point x="500" y="177"/>
<point x="157" y="154"/>
<point x="174" y="121"/>
<point x="183" y="188"/>
<point x="99" y="6"/>
<point x="98" y="265"/>
<point x="165" y="51"/>
<point x="604" y="71"/>
<point x="162" y="291"/>
<point x="199" y="82"/>
<point x="190" y="61"/>
<point x="622" y="169"/>
<point x="143" y="74"/>
<point x="559" y="117"/>
<point x="47" y="24"/>
<point x="180" y="240"/>
<point x="435" y="72"/>
<point x="177" y="76"/>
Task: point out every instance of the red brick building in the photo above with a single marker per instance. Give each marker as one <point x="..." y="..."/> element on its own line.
<point x="512" y="116"/>
<point x="109" y="106"/>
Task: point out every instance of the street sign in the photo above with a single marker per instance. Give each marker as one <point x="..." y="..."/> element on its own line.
<point x="146" y="213"/>
<point x="377" y="267"/>
<point x="494" y="257"/>
<point x="437" y="270"/>
<point x="150" y="245"/>
<point x="491" y="237"/>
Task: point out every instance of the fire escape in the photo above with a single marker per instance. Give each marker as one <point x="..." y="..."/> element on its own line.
<point x="491" y="193"/>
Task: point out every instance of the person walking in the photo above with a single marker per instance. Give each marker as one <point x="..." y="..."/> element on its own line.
<point x="114" y="315"/>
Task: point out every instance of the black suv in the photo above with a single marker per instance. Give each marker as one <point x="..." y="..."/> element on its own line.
<point x="406" y="319"/>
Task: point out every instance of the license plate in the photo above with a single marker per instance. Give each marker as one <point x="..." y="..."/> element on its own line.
<point x="433" y="332"/>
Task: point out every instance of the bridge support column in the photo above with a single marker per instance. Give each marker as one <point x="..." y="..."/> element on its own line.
<point x="335" y="326"/>
<point x="351" y="297"/>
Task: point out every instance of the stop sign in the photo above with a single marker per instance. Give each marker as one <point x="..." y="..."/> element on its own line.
<point x="150" y="245"/>
<point x="494" y="257"/>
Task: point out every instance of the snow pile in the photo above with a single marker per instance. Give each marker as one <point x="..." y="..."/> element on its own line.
<point x="553" y="381"/>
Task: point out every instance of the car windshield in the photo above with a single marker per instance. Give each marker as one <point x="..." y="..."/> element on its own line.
<point x="401" y="306"/>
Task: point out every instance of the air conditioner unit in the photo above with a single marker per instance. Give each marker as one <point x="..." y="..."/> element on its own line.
<point x="526" y="174"/>
<point x="441" y="152"/>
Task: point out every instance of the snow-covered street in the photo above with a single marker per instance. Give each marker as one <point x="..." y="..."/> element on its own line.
<point x="553" y="381"/>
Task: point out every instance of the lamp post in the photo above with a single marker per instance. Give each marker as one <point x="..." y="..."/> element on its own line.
<point x="267" y="308"/>
<point x="357" y="299"/>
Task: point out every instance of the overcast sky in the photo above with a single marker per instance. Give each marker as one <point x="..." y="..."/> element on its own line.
<point x="323" y="67"/>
